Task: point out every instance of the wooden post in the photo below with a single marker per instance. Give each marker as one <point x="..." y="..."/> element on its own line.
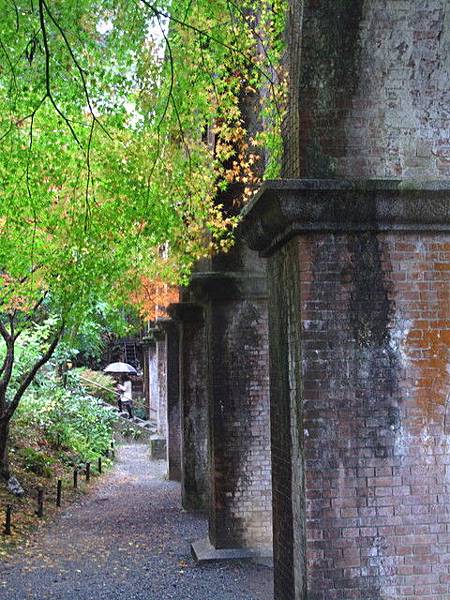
<point x="88" y="471"/>
<point x="9" y="509"/>
<point x="40" y="503"/>
<point x="58" y="492"/>
<point x="99" y="464"/>
<point x="75" y="478"/>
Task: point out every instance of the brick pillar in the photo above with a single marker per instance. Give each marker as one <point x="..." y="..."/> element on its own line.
<point x="151" y="376"/>
<point x="158" y="391"/>
<point x="359" y="311"/>
<point x="193" y="405"/>
<point x="161" y="366"/>
<point x="173" y="417"/>
<point x="368" y="88"/>
<point x="240" y="520"/>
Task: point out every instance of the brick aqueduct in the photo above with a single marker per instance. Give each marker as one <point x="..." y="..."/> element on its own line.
<point x="344" y="266"/>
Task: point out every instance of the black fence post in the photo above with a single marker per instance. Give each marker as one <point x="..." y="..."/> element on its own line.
<point x="88" y="471"/>
<point x="75" y="478"/>
<point x="58" y="492"/>
<point x="40" y="503"/>
<point x="9" y="509"/>
<point x="99" y="464"/>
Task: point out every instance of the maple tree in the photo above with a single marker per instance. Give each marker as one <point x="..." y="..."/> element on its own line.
<point x="119" y="122"/>
<point x="153" y="297"/>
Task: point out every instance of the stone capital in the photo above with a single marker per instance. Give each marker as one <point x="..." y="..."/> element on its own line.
<point x="186" y="312"/>
<point x="156" y="333"/>
<point x="166" y="326"/>
<point x="285" y="208"/>
<point x="148" y="341"/>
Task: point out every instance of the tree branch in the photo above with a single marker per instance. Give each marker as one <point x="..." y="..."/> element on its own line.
<point x="203" y="33"/>
<point x="79" y="68"/>
<point x="87" y="206"/>
<point x="30" y="315"/>
<point x="16" y="10"/>
<point x="171" y="97"/>
<point x="9" y="61"/>
<point x="172" y="73"/>
<point x="47" y="73"/>
<point x="28" y="378"/>
<point x="30" y="195"/>
<point x="8" y="363"/>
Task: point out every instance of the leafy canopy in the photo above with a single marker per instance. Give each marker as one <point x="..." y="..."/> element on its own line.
<point x="119" y="121"/>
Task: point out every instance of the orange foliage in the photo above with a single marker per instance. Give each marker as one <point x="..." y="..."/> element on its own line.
<point x="15" y="296"/>
<point x="153" y="298"/>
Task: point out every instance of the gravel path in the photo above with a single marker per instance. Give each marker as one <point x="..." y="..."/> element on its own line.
<point x="128" y="539"/>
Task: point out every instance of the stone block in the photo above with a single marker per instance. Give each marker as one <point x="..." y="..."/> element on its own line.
<point x="204" y="552"/>
<point x="158" y="448"/>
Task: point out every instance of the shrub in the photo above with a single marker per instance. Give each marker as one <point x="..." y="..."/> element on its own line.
<point x="68" y="418"/>
<point x="98" y="384"/>
<point x="36" y="462"/>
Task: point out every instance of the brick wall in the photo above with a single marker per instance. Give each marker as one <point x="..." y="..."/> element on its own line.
<point x="173" y="401"/>
<point x="194" y="411"/>
<point x="371" y="416"/>
<point x="375" y="330"/>
<point x="359" y="311"/>
<point x="365" y="316"/>
<point x="150" y="357"/>
<point x="291" y="63"/>
<point x="240" y="509"/>
<point x="285" y="410"/>
<point x="161" y="358"/>
<point x="369" y="89"/>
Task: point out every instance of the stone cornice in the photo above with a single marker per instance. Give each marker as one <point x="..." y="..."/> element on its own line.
<point x="228" y="285"/>
<point x="288" y="207"/>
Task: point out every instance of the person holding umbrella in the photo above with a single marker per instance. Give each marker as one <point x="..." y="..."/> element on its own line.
<point x="124" y="386"/>
<point x="125" y="399"/>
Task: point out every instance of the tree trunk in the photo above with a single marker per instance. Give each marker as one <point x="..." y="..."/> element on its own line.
<point x="4" y="450"/>
<point x="7" y="409"/>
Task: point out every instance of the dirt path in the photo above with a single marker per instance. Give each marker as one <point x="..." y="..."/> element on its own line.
<point x="129" y="539"/>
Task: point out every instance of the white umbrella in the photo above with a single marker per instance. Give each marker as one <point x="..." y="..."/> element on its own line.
<point x="120" y="367"/>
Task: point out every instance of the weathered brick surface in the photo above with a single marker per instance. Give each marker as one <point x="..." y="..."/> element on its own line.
<point x="161" y="360"/>
<point x="151" y="360"/>
<point x="173" y="401"/>
<point x="233" y="345"/>
<point x="195" y="489"/>
<point x="374" y="325"/>
<point x="375" y="330"/>
<point x="194" y="409"/>
<point x="290" y="166"/>
<point x="240" y="508"/>
<point x="285" y="410"/>
<point x="369" y="89"/>
<point x="365" y="316"/>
